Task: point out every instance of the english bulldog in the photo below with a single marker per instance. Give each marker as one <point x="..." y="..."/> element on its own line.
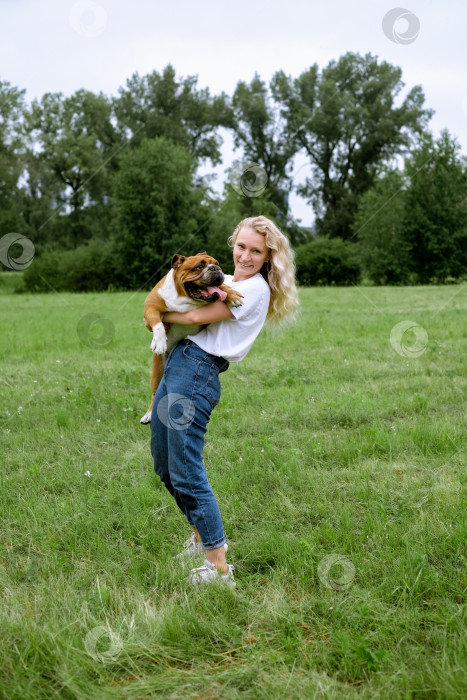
<point x="193" y="281"/>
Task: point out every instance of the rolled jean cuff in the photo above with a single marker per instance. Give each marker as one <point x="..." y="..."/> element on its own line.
<point x="214" y="546"/>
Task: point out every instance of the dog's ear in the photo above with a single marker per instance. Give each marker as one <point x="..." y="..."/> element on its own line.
<point x="202" y="253"/>
<point x="177" y="260"/>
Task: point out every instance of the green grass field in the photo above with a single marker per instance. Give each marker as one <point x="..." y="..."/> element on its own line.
<point x="339" y="467"/>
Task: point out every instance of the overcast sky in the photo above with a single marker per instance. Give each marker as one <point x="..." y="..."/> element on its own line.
<point x="63" y="45"/>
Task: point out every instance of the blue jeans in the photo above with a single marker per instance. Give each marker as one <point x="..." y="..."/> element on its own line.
<point x="189" y="390"/>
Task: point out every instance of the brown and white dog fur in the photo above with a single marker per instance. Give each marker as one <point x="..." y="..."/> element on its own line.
<point x="193" y="281"/>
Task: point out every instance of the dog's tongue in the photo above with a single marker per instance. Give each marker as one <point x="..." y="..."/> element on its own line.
<point x="209" y="291"/>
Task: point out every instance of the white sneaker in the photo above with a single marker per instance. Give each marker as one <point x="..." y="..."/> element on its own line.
<point x="192" y="548"/>
<point x="208" y="574"/>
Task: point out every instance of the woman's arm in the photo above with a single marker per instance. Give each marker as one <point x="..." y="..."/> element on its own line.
<point x="217" y="311"/>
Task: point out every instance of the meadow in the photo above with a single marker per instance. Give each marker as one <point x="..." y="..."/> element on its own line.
<point x="337" y="454"/>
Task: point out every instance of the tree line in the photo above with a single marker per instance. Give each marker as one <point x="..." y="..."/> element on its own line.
<point x="108" y="188"/>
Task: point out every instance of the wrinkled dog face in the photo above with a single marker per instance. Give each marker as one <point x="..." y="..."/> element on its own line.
<point x="196" y="273"/>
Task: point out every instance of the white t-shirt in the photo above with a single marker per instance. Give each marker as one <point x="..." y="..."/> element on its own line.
<point x="231" y="338"/>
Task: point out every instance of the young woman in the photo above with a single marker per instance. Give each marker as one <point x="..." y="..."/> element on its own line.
<point x="264" y="275"/>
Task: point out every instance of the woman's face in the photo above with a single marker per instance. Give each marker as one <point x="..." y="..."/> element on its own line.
<point x="249" y="253"/>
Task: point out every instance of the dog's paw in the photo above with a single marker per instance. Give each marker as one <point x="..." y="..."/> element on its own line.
<point x="159" y="339"/>
<point x="237" y="302"/>
<point x="158" y="347"/>
<point x="146" y="418"/>
<point x="234" y="298"/>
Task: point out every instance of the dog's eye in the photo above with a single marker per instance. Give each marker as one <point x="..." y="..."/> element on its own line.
<point x="199" y="267"/>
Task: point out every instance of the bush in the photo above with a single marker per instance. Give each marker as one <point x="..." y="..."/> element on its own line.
<point x="327" y="261"/>
<point x="90" y="267"/>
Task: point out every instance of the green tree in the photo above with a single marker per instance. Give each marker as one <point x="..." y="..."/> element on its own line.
<point x="157" y="211"/>
<point x="262" y="133"/>
<point x="412" y="226"/>
<point x="11" y="158"/>
<point x="346" y="120"/>
<point x="435" y="224"/>
<point x="72" y="156"/>
<point x="383" y="249"/>
<point x="162" y="105"/>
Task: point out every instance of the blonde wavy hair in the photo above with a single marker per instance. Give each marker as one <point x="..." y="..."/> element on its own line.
<point x="278" y="270"/>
